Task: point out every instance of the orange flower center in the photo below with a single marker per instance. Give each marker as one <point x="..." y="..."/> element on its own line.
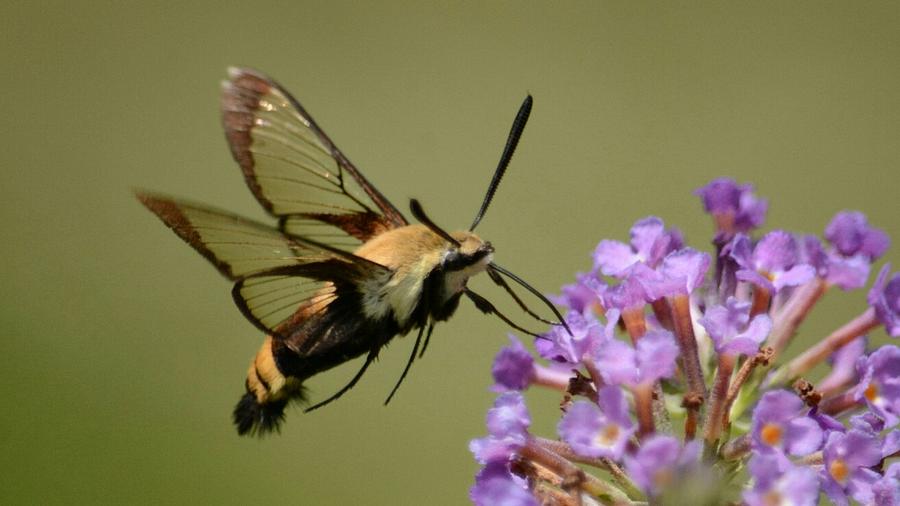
<point x="839" y="471"/>
<point x="608" y="435"/>
<point x="772" y="498"/>
<point x="771" y="434"/>
<point x="663" y="478"/>
<point x="871" y="392"/>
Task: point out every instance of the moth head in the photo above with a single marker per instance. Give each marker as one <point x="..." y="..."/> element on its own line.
<point x="469" y="251"/>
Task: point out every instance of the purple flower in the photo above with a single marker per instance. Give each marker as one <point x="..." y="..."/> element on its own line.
<point x="631" y="293"/>
<point x="777" y="425"/>
<point x="560" y="346"/>
<point x="867" y="422"/>
<point x="496" y="486"/>
<point x="886" y="491"/>
<point x="681" y="272"/>
<point x="652" y="359"/>
<point x="650" y="242"/>
<point x="602" y="431"/>
<point x="507" y="424"/>
<point x="848" y="455"/>
<point x="891" y="444"/>
<point x="880" y="383"/>
<point x="731" y="330"/>
<point x="513" y="367"/>
<point x="885" y="298"/>
<point x="583" y="295"/>
<point x="734" y="207"/>
<point x="850" y="234"/>
<point x="772" y="264"/>
<point x="777" y="481"/>
<point x="659" y="462"/>
<point x="848" y="273"/>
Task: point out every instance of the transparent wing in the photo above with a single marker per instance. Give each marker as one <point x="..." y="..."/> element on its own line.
<point x="294" y="169"/>
<point x="280" y="280"/>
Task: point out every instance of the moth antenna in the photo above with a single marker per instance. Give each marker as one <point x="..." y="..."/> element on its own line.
<point x="515" y="132"/>
<point x="416" y="208"/>
<point x="539" y="295"/>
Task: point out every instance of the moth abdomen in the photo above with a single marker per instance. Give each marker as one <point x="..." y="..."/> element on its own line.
<point x="268" y="392"/>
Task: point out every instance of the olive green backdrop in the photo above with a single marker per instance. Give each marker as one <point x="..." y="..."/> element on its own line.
<point x="122" y="354"/>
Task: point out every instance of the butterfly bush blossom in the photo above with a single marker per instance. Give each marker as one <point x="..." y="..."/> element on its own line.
<point x="674" y="382"/>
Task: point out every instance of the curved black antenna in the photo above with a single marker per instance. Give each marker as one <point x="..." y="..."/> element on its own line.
<point x="539" y="295"/>
<point x="512" y="141"/>
<point x="416" y="208"/>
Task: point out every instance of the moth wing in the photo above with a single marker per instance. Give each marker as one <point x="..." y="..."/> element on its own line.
<point x="295" y="170"/>
<point x="280" y="280"/>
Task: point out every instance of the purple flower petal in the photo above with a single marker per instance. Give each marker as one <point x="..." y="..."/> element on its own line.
<point x="850" y="233"/>
<point x="885" y="298"/>
<point x="496" y="486"/>
<point x="581" y="296"/>
<point x="847" y="457"/>
<point x="658" y="463"/>
<point x="613" y="258"/>
<point x="630" y="293"/>
<point x="560" y="346"/>
<point x="617" y="363"/>
<point x="656" y="354"/>
<point x="795" y="276"/>
<point x="728" y="328"/>
<point x="848" y="273"/>
<point x="686" y="266"/>
<point x="598" y="431"/>
<point x="880" y="383"/>
<point x="778" y="425"/>
<point x="886" y="492"/>
<point x="775" y="252"/>
<point x="513" y="367"/>
<point x="777" y="481"/>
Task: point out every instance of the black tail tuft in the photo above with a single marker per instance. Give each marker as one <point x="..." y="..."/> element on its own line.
<point x="255" y="419"/>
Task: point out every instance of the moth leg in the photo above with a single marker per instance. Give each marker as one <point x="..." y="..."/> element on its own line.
<point x="486" y="307"/>
<point x="412" y="357"/>
<point x="373" y="354"/>
<point x="497" y="279"/>
<point x="427" y="340"/>
<point x="494" y="272"/>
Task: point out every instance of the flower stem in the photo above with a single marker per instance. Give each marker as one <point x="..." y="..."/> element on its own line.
<point x="712" y="428"/>
<point x="551" y="378"/>
<point x="761" y="299"/>
<point x="643" y="406"/>
<point x="819" y="352"/>
<point x="836" y="405"/>
<point x="737" y="448"/>
<point x="570" y="473"/>
<point x="635" y="323"/>
<point x="763" y="357"/>
<point x="795" y="310"/>
<point x="564" y="450"/>
<point x="690" y="359"/>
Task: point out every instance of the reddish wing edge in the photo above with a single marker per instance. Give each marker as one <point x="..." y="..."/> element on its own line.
<point x="276" y="254"/>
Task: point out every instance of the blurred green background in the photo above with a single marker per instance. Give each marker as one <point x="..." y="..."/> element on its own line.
<point x="122" y="354"/>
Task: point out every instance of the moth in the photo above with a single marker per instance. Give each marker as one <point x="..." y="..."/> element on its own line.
<point x="343" y="272"/>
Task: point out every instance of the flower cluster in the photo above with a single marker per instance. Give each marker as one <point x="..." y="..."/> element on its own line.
<point x="674" y="382"/>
